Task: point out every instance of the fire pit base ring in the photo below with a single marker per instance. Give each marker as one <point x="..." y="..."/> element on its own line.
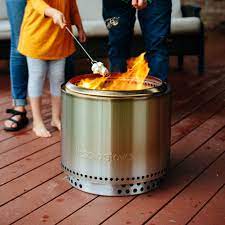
<point x="114" y="190"/>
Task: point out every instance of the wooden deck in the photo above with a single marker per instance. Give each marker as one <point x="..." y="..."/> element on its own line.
<point x="33" y="189"/>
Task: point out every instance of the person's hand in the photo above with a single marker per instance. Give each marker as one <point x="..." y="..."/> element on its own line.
<point x="57" y="16"/>
<point x="82" y="35"/>
<point x="139" y="4"/>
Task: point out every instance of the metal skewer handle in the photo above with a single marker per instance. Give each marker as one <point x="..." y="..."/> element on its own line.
<point x="78" y="42"/>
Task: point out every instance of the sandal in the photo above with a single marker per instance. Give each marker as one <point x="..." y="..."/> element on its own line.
<point x="21" y="123"/>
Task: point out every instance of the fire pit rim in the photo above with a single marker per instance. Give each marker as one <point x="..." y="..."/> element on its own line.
<point x="73" y="89"/>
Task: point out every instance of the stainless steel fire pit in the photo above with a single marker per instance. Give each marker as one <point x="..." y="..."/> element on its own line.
<point x="116" y="142"/>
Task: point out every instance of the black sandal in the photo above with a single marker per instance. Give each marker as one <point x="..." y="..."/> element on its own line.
<point x="21" y="123"/>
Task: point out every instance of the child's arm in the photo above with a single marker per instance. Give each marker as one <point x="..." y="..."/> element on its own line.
<point x="44" y="9"/>
<point x="76" y="20"/>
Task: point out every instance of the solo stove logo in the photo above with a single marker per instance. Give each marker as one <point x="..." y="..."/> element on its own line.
<point x="105" y="157"/>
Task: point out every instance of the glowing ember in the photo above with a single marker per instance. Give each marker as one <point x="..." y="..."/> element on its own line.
<point x="133" y="79"/>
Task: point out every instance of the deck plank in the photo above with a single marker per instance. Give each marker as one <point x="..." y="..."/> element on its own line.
<point x="52" y="212"/>
<point x="96" y="211"/>
<point x="199" y="136"/>
<point x="29" y="163"/>
<point x="30" y="201"/>
<point x="213" y="212"/>
<point x="21" y="139"/>
<point x="188" y="202"/>
<point x="197" y="85"/>
<point x="197" y="118"/>
<point x="29" y="181"/>
<point x="197" y="101"/>
<point x="27" y="149"/>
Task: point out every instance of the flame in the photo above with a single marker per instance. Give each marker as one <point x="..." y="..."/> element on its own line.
<point x="133" y="79"/>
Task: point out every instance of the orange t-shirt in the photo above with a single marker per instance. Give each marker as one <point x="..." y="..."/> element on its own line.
<point x="40" y="38"/>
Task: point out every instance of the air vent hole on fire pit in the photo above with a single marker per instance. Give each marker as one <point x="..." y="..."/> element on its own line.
<point x="117" y="179"/>
<point x="125" y="189"/>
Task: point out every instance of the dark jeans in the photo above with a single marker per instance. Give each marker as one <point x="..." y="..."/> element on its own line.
<point x="18" y="63"/>
<point x="155" y="22"/>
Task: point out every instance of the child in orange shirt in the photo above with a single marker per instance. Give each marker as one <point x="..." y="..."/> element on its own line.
<point x="46" y="43"/>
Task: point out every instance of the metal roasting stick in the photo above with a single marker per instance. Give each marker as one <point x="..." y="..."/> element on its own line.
<point x="97" y="67"/>
<point x="92" y="60"/>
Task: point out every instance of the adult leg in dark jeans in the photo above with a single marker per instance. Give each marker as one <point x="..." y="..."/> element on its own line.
<point x="155" y="22"/>
<point x="18" y="64"/>
<point x="120" y="35"/>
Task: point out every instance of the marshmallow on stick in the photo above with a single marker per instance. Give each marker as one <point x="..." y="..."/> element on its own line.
<point x="99" y="68"/>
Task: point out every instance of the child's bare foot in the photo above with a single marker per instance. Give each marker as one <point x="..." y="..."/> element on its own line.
<point x="41" y="131"/>
<point x="56" y="123"/>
